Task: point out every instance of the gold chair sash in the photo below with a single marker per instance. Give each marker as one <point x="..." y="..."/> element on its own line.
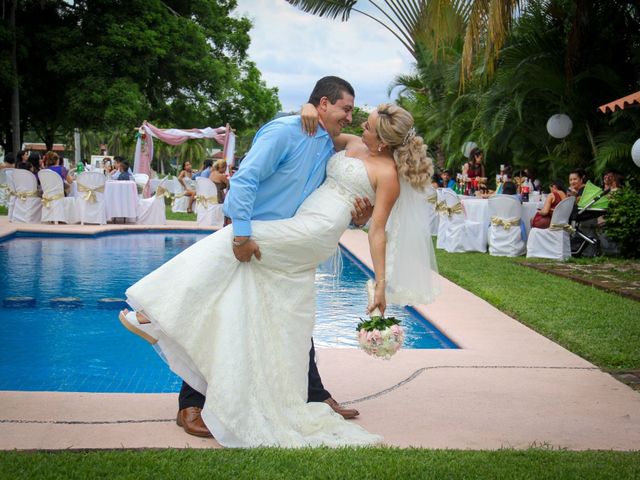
<point x="163" y="192"/>
<point x="47" y="200"/>
<point x="24" y="195"/>
<point x="205" y="201"/>
<point x="90" y="196"/>
<point x="562" y="226"/>
<point x="505" y="223"/>
<point x="433" y="199"/>
<point x="441" y="207"/>
<point x="175" y="197"/>
<point x="455" y="210"/>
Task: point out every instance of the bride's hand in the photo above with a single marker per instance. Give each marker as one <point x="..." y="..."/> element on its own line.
<point x="309" y="116"/>
<point x="379" y="300"/>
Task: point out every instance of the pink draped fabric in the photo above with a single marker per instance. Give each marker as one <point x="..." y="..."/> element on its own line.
<point x="172" y="136"/>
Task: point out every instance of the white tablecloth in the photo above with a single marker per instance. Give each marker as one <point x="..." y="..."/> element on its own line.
<point x="477" y="210"/>
<point x="120" y="197"/>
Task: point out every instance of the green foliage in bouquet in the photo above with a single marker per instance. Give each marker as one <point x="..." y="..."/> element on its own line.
<point x="623" y="221"/>
<point x="377" y="323"/>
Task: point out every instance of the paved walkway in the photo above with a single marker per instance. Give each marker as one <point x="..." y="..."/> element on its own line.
<point x="507" y="387"/>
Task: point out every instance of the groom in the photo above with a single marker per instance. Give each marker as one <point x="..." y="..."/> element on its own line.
<point x="284" y="166"/>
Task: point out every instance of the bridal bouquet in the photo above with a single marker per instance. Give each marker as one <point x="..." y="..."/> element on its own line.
<point x="379" y="336"/>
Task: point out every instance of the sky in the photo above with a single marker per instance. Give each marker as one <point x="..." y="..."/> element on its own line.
<point x="293" y="49"/>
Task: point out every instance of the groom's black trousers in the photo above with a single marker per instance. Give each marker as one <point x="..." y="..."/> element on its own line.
<point x="317" y="393"/>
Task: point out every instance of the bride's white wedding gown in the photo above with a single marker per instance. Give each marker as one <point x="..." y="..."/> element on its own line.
<point x="241" y="332"/>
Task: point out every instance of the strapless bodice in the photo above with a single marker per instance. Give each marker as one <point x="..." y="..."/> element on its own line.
<point x="348" y="177"/>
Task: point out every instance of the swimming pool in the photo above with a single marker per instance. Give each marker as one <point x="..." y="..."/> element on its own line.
<point x="64" y="334"/>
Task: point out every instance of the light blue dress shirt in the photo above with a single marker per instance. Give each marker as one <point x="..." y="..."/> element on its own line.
<point x="204" y="173"/>
<point x="283" y="167"/>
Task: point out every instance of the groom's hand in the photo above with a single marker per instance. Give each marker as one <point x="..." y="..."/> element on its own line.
<point x="244" y="248"/>
<point x="362" y="211"/>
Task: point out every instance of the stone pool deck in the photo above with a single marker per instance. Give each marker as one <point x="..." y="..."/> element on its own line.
<point x="506" y="387"/>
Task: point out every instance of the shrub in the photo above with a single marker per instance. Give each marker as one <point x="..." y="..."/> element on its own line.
<point x="623" y="221"/>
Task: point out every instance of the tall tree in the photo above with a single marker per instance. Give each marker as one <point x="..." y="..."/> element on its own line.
<point x="109" y="64"/>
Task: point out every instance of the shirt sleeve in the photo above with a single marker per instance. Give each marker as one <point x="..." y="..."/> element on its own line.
<point x="269" y="147"/>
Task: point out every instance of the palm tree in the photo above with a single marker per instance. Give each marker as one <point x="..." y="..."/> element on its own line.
<point x="432" y="22"/>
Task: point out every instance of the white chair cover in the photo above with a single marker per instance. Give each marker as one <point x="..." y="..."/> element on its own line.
<point x="90" y="198"/>
<point x="208" y="210"/>
<point x="141" y="180"/>
<point x="443" y="217"/>
<point x="55" y="206"/>
<point x="432" y="202"/>
<point x="151" y="211"/>
<point x="180" y="202"/>
<point x="553" y="242"/>
<point x="11" y="201"/>
<point x="27" y="207"/>
<point x="505" y="237"/>
<point x="5" y="189"/>
<point x="461" y="235"/>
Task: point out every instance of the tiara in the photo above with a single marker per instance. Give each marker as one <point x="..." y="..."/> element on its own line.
<point x="410" y="134"/>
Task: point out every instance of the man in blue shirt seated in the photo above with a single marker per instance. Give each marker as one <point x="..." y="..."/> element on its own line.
<point x="284" y="166"/>
<point x="206" y="169"/>
<point x="124" y="171"/>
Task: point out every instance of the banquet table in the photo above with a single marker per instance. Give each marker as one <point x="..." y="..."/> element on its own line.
<point x="120" y="198"/>
<point x="477" y="210"/>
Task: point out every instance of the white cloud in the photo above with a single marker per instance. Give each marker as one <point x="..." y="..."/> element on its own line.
<point x="294" y="49"/>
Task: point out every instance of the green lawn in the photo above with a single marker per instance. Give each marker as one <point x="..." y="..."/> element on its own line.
<point x="602" y="327"/>
<point x="320" y="463"/>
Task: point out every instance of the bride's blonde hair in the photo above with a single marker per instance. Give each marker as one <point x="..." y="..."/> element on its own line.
<point x="395" y="128"/>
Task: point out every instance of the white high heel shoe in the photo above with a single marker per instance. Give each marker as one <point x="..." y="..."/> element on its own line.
<point x="144" y="330"/>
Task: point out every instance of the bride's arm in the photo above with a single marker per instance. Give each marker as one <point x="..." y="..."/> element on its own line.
<point x="387" y="191"/>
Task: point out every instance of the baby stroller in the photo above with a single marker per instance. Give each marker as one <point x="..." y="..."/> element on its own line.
<point x="586" y="240"/>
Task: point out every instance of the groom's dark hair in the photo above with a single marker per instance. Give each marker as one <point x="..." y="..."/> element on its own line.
<point x="330" y="87"/>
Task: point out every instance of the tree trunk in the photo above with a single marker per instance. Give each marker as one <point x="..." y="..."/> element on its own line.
<point x="15" y="94"/>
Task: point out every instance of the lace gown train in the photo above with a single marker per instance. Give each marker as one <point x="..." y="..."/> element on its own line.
<point x="240" y="332"/>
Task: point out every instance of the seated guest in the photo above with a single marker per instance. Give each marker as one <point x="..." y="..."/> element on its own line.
<point x="25" y="166"/>
<point x="206" y="169"/>
<point x="557" y="193"/>
<point x="52" y="161"/>
<point x="509" y="188"/>
<point x="219" y="178"/>
<point x="186" y="180"/>
<point x="9" y="161"/>
<point x="447" y="181"/>
<point x="436" y="180"/>
<point x="124" y="171"/>
<point x="612" y="180"/>
<point x="577" y="181"/>
<point x="35" y="161"/>
<point x="116" y="172"/>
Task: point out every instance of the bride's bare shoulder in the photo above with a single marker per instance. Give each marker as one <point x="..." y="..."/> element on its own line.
<point x="346" y="141"/>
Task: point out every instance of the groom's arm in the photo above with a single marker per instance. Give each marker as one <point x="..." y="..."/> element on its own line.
<point x="268" y="149"/>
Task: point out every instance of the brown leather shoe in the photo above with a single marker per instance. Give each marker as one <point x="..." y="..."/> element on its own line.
<point x="190" y="419"/>
<point x="347" y="413"/>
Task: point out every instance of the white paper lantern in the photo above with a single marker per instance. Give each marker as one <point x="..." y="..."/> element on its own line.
<point x="635" y="152"/>
<point x="559" y="125"/>
<point x="467" y="147"/>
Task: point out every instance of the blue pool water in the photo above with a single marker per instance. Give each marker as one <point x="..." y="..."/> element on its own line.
<point x="56" y="345"/>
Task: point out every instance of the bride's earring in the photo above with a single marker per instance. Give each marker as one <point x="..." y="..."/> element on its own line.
<point x="379" y="148"/>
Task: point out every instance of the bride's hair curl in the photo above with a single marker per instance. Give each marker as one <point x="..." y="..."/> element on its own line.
<point x="395" y="128"/>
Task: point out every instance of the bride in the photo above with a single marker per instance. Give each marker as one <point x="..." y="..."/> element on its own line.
<point x="246" y="343"/>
